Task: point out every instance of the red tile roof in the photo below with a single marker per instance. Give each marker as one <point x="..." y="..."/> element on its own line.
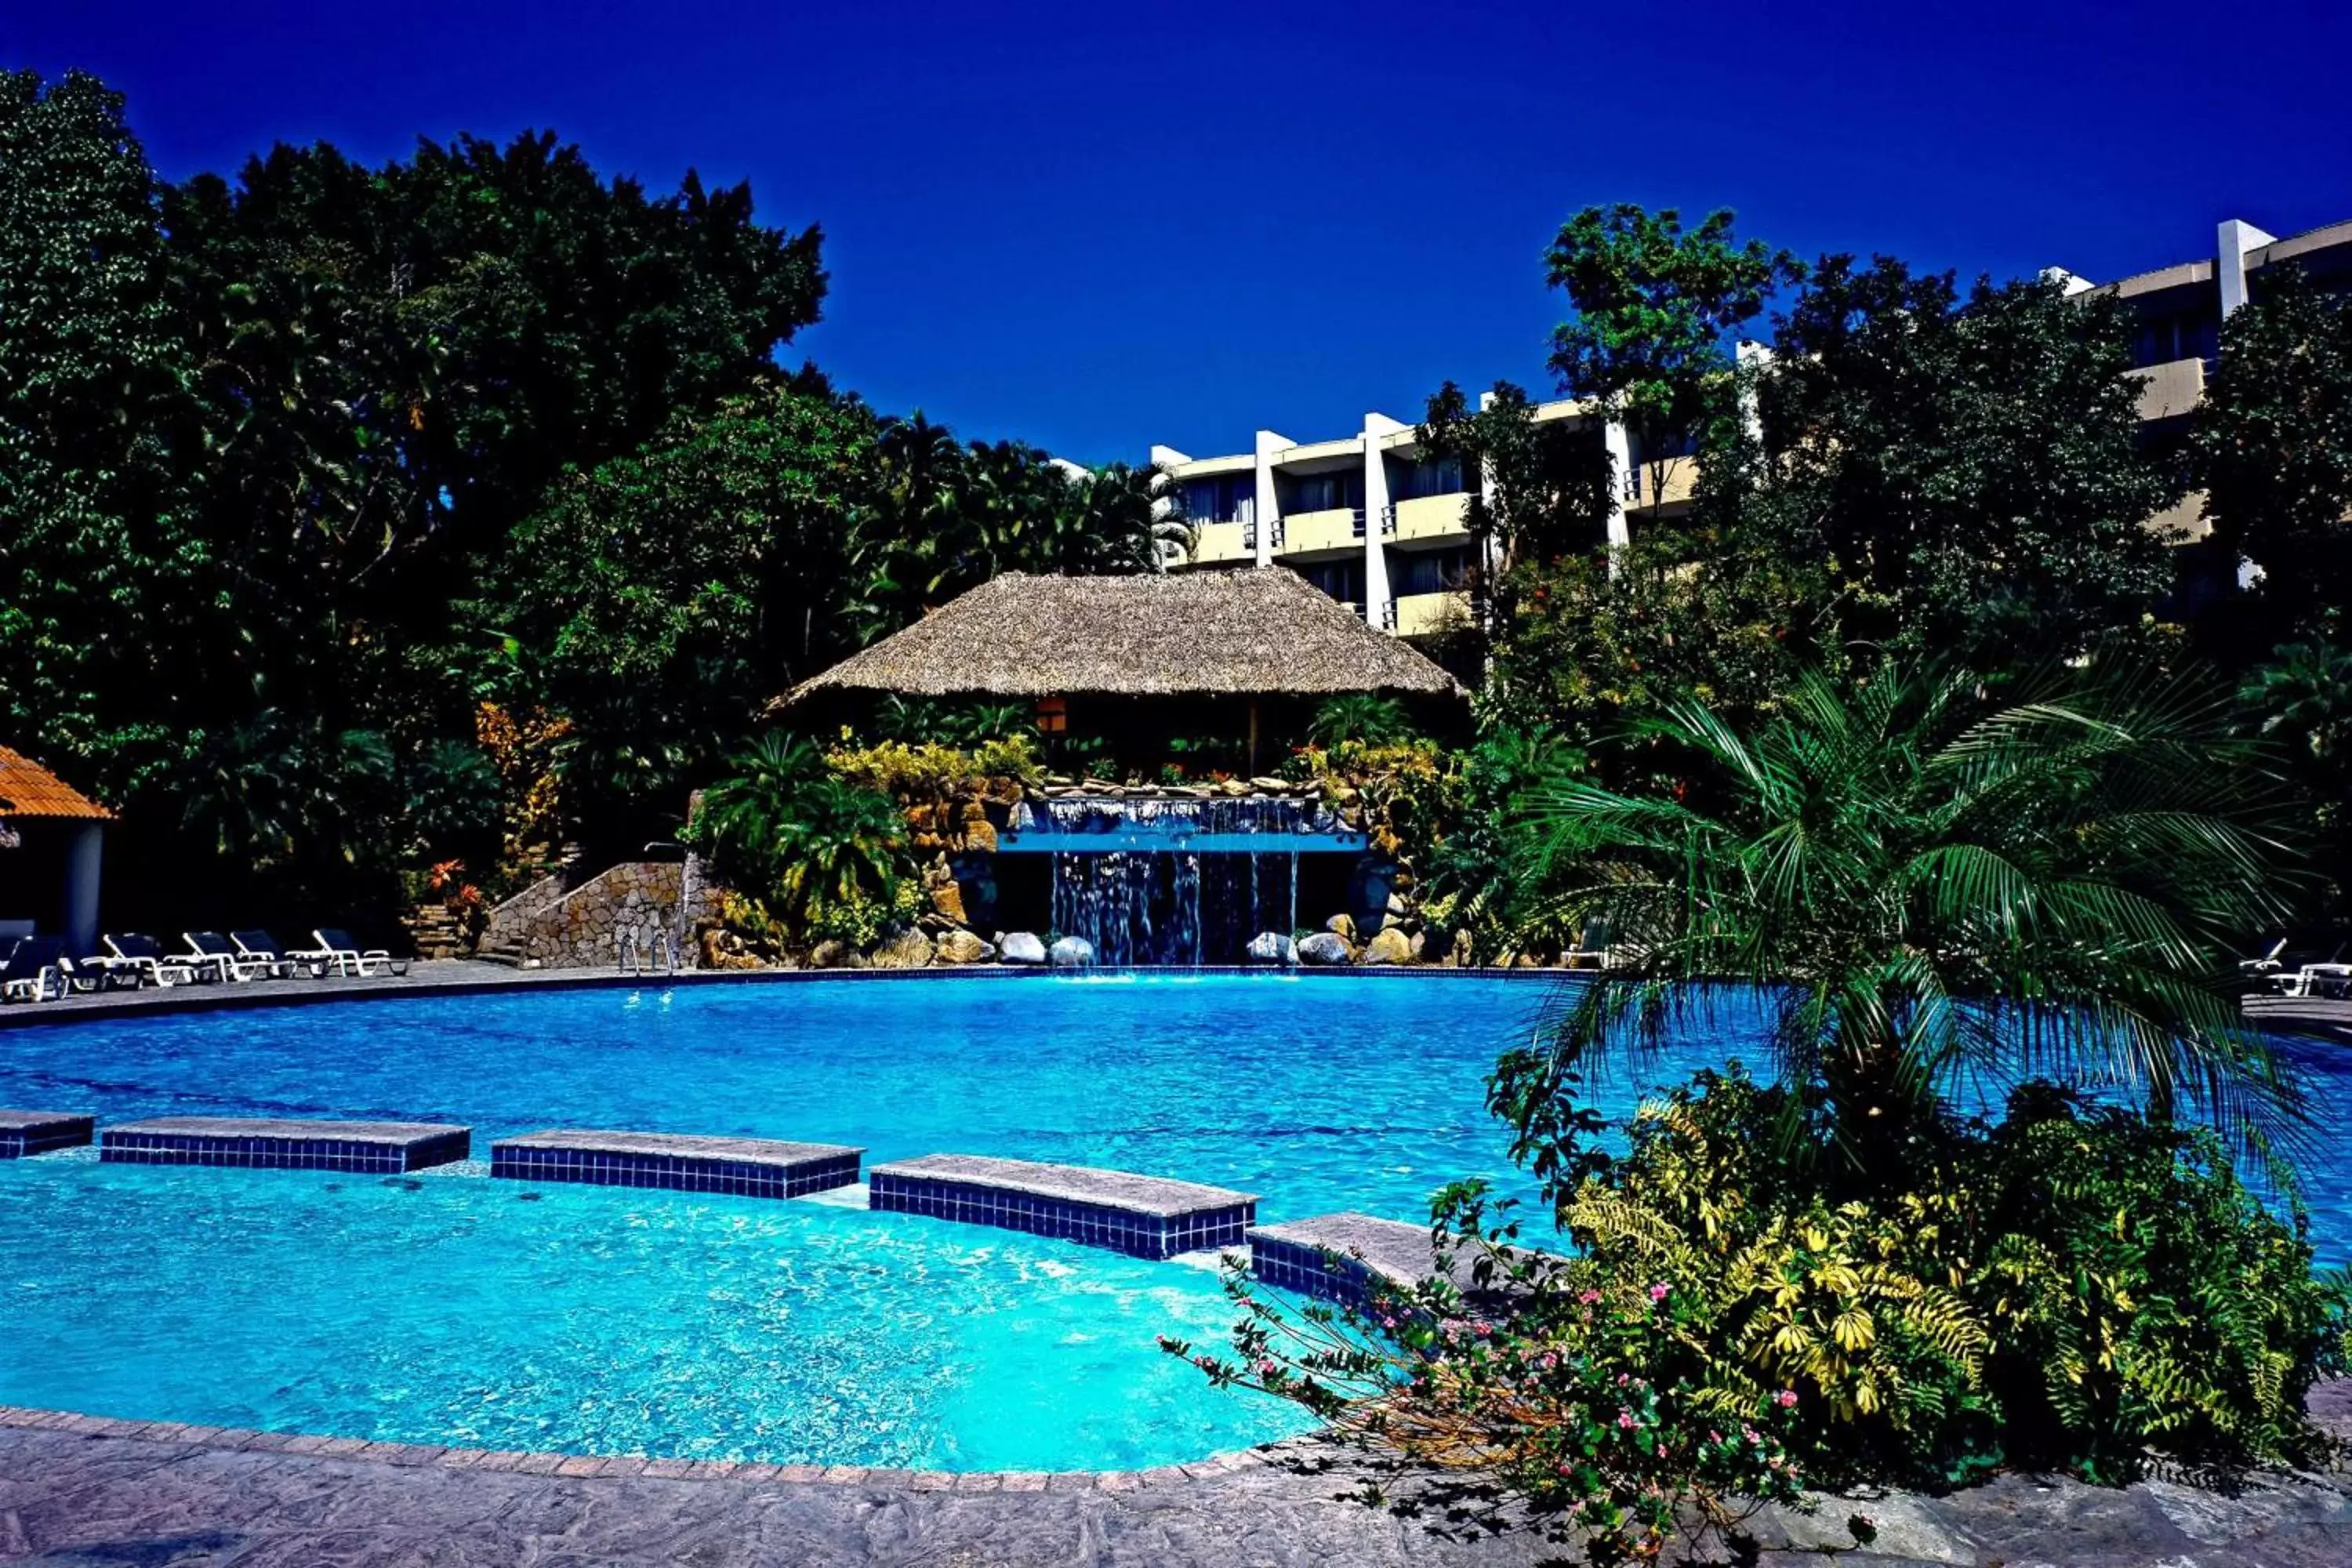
<point x="29" y="789"/>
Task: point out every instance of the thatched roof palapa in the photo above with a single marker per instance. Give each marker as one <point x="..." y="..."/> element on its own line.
<point x="1257" y="632"/>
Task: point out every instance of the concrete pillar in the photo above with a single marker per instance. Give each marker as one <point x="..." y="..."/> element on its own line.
<point x="1490" y="547"/>
<point x="2235" y="238"/>
<point x="1379" y="602"/>
<point x="1269" y="511"/>
<point x="82" y="865"/>
<point x="1620" y="446"/>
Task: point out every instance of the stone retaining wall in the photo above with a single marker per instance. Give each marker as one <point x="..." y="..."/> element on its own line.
<point x="582" y="929"/>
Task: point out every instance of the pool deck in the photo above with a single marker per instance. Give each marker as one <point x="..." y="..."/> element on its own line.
<point x="80" y="1492"/>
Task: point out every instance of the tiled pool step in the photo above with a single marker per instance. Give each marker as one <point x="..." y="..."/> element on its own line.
<point x="1298" y="1255"/>
<point x="381" y="1148"/>
<point x="24" y="1132"/>
<point x="1147" y="1216"/>
<point x="676" y="1162"/>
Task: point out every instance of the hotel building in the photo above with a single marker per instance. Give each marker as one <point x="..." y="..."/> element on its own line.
<point x="1378" y="525"/>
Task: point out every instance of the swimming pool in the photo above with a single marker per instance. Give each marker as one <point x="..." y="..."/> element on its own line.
<point x="446" y="1308"/>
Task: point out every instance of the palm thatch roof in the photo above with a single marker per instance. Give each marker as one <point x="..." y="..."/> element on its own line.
<point x="1257" y="632"/>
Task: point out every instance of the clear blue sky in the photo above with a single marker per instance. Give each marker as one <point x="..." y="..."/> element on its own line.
<point x="1099" y="225"/>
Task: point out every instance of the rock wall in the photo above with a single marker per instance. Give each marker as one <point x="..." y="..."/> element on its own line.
<point x="582" y="929"/>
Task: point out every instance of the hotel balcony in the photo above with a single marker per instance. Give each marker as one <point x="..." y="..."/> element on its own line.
<point x="1431" y="519"/>
<point x="1646" y="489"/>
<point x="1323" y="533"/>
<point x="1418" y="615"/>
<point x="2169" y="390"/>
<point x="1217" y="543"/>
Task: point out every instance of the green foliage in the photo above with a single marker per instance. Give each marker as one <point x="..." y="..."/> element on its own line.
<point x="1655" y="308"/>
<point x="742" y="815"/>
<point x="1966" y="468"/>
<point x="2070" y="1288"/>
<point x="931" y="772"/>
<point x="1360" y="717"/>
<point x="1604" y="640"/>
<point x="2272" y="448"/>
<point x="1475" y="876"/>
<point x="101" y="441"/>
<point x="1932" y="881"/>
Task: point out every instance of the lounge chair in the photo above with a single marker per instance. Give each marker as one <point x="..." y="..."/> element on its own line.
<point x="2263" y="967"/>
<point x="37" y="971"/>
<point x="212" y="950"/>
<point x="1591" y="951"/>
<point x="142" y="958"/>
<point x="261" y="946"/>
<point x="349" y="958"/>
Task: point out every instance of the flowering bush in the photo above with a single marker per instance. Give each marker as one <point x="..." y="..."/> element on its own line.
<point x="1583" y="1392"/>
<point x="928" y="771"/>
<point x="2069" y="1288"/>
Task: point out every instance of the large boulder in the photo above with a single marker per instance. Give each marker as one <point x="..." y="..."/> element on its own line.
<point x="963" y="947"/>
<point x="1343" y="926"/>
<point x="1273" y="947"/>
<point x="835" y="953"/>
<point x="1325" y="947"/>
<point x="947" y="897"/>
<point x="1022" y="947"/>
<point x="910" y="949"/>
<point x="1388" y="947"/>
<point x="1073" y="953"/>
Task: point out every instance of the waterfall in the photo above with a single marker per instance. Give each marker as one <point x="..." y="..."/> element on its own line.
<point x="1162" y="881"/>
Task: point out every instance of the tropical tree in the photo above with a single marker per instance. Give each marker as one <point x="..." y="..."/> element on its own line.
<point x="840" y="851"/>
<point x="1655" y="307"/>
<point x="2273" y="447"/>
<point x="744" y="816"/>
<point x="1364" y="717"/>
<point x="1930" y="886"/>
<point x="1966" y="466"/>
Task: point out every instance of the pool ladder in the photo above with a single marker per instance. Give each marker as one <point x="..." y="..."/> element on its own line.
<point x="657" y="955"/>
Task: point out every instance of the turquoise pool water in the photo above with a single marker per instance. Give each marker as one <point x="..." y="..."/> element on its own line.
<point x="445" y="1308"/>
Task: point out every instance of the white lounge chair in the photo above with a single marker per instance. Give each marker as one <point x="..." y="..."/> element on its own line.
<point x="212" y="950"/>
<point x="37" y="971"/>
<point x="349" y="958"/>
<point x="284" y="963"/>
<point x="142" y="958"/>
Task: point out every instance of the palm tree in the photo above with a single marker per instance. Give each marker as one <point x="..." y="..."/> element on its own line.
<point x="1927" y="885"/>
<point x="745" y="816"/>
<point x="842" y="846"/>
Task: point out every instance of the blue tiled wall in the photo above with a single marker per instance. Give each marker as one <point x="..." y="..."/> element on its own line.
<point x="1140" y="1235"/>
<point x="277" y="1153"/>
<point x="672" y="1173"/>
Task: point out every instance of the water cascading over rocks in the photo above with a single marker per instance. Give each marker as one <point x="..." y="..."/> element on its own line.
<point x="1177" y="882"/>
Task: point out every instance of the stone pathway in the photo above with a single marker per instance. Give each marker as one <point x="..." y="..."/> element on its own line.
<point x="91" y="1494"/>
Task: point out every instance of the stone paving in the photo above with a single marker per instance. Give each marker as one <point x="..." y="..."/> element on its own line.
<point x="77" y="1492"/>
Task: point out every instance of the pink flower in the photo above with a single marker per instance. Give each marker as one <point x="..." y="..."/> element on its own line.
<point x="1657" y="1292"/>
<point x="1265" y="1368"/>
<point x="1785" y="1398"/>
<point x="1625" y="1420"/>
<point x="1588" y="1297"/>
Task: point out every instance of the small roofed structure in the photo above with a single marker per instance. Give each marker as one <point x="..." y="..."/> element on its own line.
<point x="53" y="834"/>
<point x="1202" y="634"/>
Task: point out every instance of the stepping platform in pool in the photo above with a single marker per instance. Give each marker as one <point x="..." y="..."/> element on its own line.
<point x="380" y="1148"/>
<point x="24" y="1132"/>
<point x="1147" y="1216"/>
<point x="676" y="1162"/>
<point x="1296" y="1256"/>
